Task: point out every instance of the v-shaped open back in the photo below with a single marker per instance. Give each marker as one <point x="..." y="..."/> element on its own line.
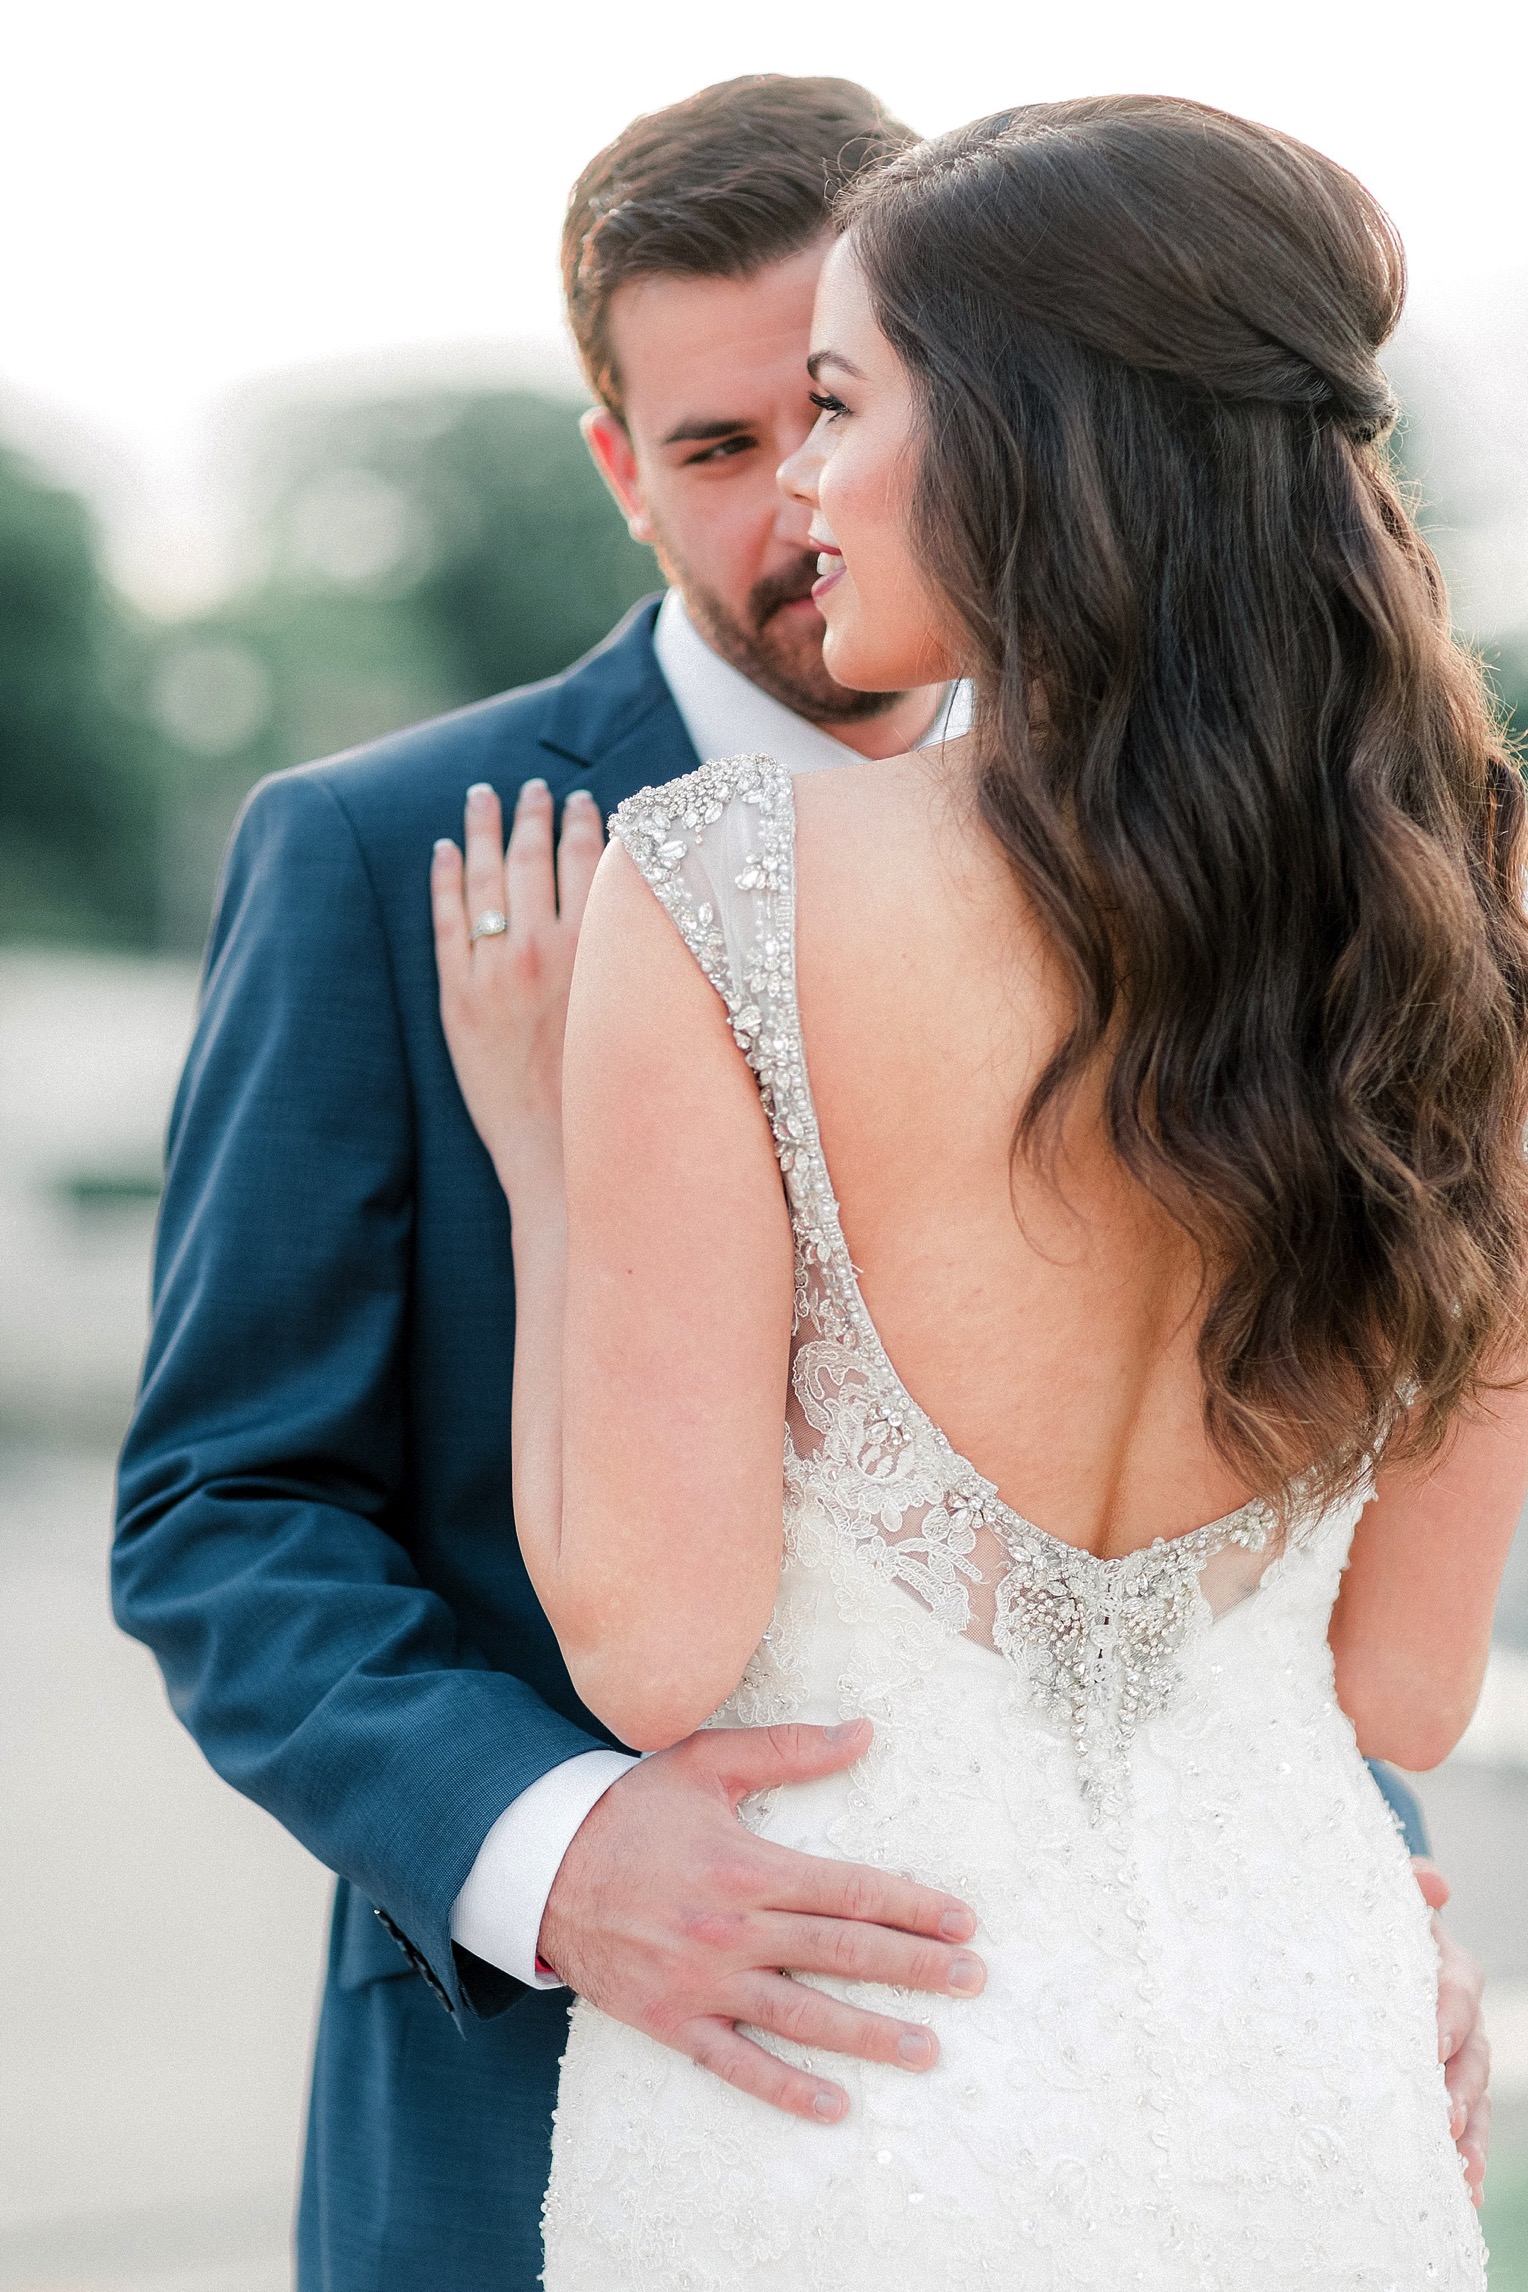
<point x="1098" y="1638"/>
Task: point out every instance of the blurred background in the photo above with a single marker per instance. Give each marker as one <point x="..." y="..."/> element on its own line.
<point x="288" y="457"/>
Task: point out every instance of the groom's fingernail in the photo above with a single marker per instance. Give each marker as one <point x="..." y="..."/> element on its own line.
<point x="957" y="1926"/>
<point x="916" y="2048"/>
<point x="842" y="1731"/>
<point x="828" y="2106"/>
<point x="967" y="1974"/>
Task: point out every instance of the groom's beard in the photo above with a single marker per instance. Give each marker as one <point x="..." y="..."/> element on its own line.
<point x="779" y="652"/>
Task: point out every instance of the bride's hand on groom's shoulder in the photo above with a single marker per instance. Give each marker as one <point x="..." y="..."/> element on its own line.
<point x="506" y="931"/>
<point x="671" y="1916"/>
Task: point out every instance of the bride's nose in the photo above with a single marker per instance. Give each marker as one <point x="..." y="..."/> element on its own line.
<point x="798" y="474"/>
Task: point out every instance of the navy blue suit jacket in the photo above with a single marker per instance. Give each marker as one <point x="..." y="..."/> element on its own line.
<point x="314" y="1533"/>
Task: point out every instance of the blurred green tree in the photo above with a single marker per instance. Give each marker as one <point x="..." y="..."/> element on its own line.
<point x="412" y="554"/>
<point x="78" y="810"/>
<point x="407" y="554"/>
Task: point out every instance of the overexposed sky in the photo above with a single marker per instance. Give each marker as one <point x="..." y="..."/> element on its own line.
<point x="196" y="192"/>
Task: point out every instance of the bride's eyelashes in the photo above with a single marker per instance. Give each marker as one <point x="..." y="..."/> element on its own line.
<point x="826" y="403"/>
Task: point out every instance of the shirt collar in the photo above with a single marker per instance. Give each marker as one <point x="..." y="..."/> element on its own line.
<point x="725" y="714"/>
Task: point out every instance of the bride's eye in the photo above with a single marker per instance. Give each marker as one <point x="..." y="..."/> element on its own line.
<point x="826" y="403"/>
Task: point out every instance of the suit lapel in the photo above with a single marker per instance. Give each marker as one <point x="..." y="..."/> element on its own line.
<point x="615" y="718"/>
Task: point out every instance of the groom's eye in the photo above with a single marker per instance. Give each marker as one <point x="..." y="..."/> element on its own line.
<point x="723" y="450"/>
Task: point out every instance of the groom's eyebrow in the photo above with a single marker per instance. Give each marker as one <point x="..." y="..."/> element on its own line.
<point x="704" y="433"/>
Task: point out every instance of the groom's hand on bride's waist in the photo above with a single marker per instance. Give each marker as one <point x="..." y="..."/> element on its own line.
<point x="1462" y="2044"/>
<point x="668" y="1914"/>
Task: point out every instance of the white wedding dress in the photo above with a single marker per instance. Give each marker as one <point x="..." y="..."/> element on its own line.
<point x="1205" y="2059"/>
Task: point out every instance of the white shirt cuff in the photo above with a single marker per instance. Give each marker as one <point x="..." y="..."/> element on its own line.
<point x="498" y="1913"/>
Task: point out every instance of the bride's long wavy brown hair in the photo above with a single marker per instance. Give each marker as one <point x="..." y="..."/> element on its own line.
<point x="1260" y="798"/>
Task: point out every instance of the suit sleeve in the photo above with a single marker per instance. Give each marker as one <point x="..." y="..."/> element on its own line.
<point x="1403" y="1805"/>
<point x="261" y="1544"/>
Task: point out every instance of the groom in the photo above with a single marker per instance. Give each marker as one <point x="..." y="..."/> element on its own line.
<point x="314" y="1531"/>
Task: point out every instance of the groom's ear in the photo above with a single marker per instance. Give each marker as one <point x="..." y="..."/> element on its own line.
<point x="609" y="442"/>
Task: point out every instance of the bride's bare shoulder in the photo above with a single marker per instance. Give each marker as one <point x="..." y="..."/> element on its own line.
<point x="889" y="843"/>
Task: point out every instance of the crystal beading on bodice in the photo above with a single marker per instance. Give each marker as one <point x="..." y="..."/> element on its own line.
<point x="1098" y="1640"/>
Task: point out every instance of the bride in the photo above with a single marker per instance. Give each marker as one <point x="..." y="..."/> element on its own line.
<point x="1148" y="1073"/>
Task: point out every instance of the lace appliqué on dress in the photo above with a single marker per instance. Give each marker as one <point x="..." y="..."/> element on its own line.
<point x="1097" y="1640"/>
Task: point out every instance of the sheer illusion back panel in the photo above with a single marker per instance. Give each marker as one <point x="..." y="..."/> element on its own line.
<point x="1098" y="1637"/>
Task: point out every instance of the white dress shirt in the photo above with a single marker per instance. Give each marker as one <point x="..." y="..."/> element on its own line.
<point x="498" y="1913"/>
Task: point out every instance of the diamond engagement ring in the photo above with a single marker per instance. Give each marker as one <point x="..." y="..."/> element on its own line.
<point x="489" y="925"/>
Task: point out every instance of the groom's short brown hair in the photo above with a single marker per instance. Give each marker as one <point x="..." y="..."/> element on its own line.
<point x="737" y="176"/>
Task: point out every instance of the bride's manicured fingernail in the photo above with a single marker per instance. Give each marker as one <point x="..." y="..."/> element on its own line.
<point x="444" y="844"/>
<point x="479" y="792"/>
<point x="967" y="1974"/>
<point x="532" y="788"/>
<point x="828" y="2106"/>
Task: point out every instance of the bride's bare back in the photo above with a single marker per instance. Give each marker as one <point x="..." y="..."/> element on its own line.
<point x="1043" y="1313"/>
<point x="1044" y="1317"/>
